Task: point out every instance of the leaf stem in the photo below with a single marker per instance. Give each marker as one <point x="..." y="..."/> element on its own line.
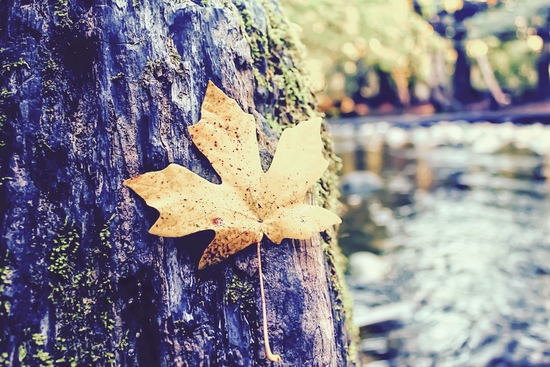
<point x="272" y="357"/>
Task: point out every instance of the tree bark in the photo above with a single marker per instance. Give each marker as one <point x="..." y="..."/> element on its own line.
<point x="96" y="92"/>
<point x="543" y="62"/>
<point x="463" y="90"/>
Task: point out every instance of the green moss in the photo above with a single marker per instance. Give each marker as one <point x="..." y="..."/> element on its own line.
<point x="124" y="341"/>
<point x="240" y="292"/>
<point x="279" y="52"/>
<point x="49" y="73"/>
<point x="15" y="65"/>
<point x="42" y="357"/>
<point x="66" y="245"/>
<point x="119" y="76"/>
<point x="5" y="271"/>
<point x="31" y="352"/>
<point x="173" y="56"/>
<point x="50" y="67"/>
<point x="50" y="87"/>
<point x="61" y="13"/>
<point x="4" y="93"/>
<point x="155" y="69"/>
<point x="22" y="353"/>
<point x="82" y="291"/>
<point x="273" y="122"/>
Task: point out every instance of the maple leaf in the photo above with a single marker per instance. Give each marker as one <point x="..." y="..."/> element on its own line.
<point x="249" y="203"/>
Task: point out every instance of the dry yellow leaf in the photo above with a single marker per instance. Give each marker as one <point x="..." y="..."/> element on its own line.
<point x="248" y="203"/>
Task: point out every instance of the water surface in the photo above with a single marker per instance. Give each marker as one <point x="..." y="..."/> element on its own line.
<point x="448" y="232"/>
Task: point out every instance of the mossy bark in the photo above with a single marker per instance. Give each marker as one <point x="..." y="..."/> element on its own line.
<point x="95" y="92"/>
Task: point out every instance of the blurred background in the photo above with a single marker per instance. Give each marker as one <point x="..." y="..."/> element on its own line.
<point x="439" y="110"/>
<point x="372" y="57"/>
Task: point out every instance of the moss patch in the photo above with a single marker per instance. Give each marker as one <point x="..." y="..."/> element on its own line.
<point x="5" y="271"/>
<point x="32" y="353"/>
<point x="61" y="14"/>
<point x="4" y="94"/>
<point x="240" y="292"/>
<point x="82" y="293"/>
<point x="9" y="66"/>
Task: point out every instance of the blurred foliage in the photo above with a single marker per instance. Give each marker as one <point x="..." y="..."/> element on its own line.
<point x="364" y="55"/>
<point x="430" y="8"/>
<point x="514" y="64"/>
<point x="344" y="37"/>
<point x="510" y="19"/>
<point x="509" y="36"/>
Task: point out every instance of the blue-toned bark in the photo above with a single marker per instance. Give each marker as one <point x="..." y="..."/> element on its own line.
<point x="96" y="92"/>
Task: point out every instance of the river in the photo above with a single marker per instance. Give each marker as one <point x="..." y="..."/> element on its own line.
<point x="447" y="229"/>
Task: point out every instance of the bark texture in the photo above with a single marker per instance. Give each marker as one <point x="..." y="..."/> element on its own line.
<point x="95" y="92"/>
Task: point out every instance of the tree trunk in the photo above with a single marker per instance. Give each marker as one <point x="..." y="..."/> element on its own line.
<point x="96" y="92"/>
<point x="543" y="84"/>
<point x="463" y="90"/>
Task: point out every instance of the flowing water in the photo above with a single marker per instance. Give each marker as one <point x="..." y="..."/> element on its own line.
<point x="447" y="229"/>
